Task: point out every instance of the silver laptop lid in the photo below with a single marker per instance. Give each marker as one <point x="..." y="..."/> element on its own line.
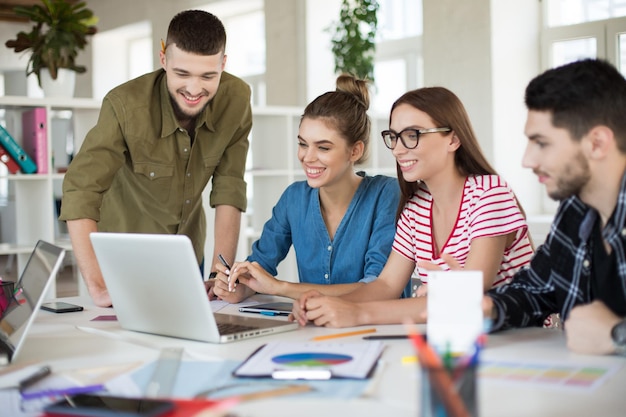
<point x="156" y="287"/>
<point x="41" y="269"/>
<point x="155" y="284"/>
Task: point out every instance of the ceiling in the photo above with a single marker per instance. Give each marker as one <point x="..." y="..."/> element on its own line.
<point x="6" y="9"/>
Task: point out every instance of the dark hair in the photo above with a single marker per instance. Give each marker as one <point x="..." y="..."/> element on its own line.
<point x="446" y="110"/>
<point x="581" y="95"/>
<point x="345" y="109"/>
<point x="198" y="32"/>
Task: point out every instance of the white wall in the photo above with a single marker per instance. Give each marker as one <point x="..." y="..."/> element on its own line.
<point x="486" y="51"/>
<point x="321" y="76"/>
<point x="515" y="48"/>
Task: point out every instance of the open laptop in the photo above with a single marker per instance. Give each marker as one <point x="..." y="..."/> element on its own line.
<point x="42" y="268"/>
<point x="156" y="287"/>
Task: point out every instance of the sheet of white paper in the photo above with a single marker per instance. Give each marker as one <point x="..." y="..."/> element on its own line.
<point x="455" y="316"/>
<point x="344" y="360"/>
<point x="217" y="305"/>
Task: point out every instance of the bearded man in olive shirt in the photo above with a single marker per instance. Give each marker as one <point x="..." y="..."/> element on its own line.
<point x="158" y="140"/>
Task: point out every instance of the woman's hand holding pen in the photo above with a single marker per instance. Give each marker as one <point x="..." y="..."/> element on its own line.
<point x="252" y="275"/>
<point x="221" y="287"/>
<point x="243" y="280"/>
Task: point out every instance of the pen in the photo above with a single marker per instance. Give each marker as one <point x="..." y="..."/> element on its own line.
<point x="386" y="337"/>
<point x="40" y="374"/>
<point x="61" y="392"/>
<point x="346" y="334"/>
<point x="223" y="261"/>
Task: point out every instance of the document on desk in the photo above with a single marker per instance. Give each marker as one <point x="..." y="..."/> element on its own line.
<point x="340" y="360"/>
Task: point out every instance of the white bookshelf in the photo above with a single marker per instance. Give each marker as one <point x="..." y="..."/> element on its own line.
<point x="28" y="212"/>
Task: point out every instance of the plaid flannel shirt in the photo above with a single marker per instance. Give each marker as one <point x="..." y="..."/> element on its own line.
<point x="559" y="275"/>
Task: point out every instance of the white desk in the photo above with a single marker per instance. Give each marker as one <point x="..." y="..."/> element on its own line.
<point x="56" y="340"/>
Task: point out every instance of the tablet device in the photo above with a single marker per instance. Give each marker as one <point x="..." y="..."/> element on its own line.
<point x="89" y="405"/>
<point x="269" y="309"/>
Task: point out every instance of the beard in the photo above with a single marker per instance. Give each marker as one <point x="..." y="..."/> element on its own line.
<point x="182" y="115"/>
<point x="574" y="177"/>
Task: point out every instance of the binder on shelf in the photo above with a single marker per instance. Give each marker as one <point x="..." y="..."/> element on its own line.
<point x="27" y="165"/>
<point x="8" y="160"/>
<point x="35" y="137"/>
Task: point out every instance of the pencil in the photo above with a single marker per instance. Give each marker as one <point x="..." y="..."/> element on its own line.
<point x="345" y="334"/>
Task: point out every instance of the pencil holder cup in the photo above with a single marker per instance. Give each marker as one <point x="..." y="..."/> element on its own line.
<point x="6" y="295"/>
<point x="449" y="391"/>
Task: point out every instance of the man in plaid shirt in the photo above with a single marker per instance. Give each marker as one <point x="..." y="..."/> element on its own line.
<point x="576" y="129"/>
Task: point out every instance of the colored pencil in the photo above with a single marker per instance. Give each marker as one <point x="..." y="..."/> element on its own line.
<point x="345" y="334"/>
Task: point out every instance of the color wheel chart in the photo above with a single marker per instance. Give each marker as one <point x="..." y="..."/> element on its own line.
<point x="311" y="359"/>
<point x="344" y="360"/>
<point x="566" y="376"/>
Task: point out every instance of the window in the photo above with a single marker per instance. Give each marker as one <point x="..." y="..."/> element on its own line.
<point x="129" y="47"/>
<point x="571" y="12"/>
<point x="398" y="62"/>
<point x="578" y="29"/>
<point x="244" y="21"/>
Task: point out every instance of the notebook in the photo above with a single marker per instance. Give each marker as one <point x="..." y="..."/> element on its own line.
<point x="156" y="287"/>
<point x="41" y="269"/>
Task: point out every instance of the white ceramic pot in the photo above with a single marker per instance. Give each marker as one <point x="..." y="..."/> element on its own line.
<point x="63" y="86"/>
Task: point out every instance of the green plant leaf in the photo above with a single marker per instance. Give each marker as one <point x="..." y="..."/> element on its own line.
<point x="59" y="32"/>
<point x="353" y="38"/>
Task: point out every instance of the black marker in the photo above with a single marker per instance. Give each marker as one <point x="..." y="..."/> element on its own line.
<point x="389" y="337"/>
<point x="386" y="337"/>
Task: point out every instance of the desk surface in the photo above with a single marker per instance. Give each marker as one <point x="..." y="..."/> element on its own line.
<point x="55" y="339"/>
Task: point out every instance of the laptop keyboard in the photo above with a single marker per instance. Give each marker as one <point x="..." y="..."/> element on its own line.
<point x="230" y="328"/>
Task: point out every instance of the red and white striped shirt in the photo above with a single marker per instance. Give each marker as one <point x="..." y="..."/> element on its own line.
<point x="488" y="208"/>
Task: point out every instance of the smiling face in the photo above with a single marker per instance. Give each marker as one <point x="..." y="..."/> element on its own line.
<point x="325" y="156"/>
<point x="434" y="151"/>
<point x="192" y="80"/>
<point x="555" y="157"/>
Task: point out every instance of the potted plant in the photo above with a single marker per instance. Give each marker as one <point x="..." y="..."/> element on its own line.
<point x="60" y="30"/>
<point x="354" y="36"/>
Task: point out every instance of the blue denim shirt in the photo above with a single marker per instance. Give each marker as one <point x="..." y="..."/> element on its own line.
<point x="362" y="241"/>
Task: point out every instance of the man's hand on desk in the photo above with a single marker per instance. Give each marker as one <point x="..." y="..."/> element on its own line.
<point x="209" y="285"/>
<point x="588" y="329"/>
<point x="100" y="296"/>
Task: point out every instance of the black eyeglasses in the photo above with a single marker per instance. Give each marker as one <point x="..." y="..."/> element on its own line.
<point x="409" y="137"/>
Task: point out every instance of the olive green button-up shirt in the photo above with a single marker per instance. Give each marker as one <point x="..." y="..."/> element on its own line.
<point x="138" y="171"/>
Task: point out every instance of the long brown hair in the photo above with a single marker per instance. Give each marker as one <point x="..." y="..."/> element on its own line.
<point x="446" y="110"/>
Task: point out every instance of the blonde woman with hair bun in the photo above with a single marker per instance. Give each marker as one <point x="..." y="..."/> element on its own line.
<point x="340" y="221"/>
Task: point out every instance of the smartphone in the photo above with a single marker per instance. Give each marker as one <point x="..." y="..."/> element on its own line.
<point x="91" y="405"/>
<point x="269" y="309"/>
<point x="60" y="307"/>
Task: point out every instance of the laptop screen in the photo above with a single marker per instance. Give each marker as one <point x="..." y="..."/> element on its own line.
<point x="41" y="269"/>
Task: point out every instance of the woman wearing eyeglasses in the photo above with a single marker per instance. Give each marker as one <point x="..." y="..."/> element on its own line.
<point x="339" y="221"/>
<point x="452" y="204"/>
